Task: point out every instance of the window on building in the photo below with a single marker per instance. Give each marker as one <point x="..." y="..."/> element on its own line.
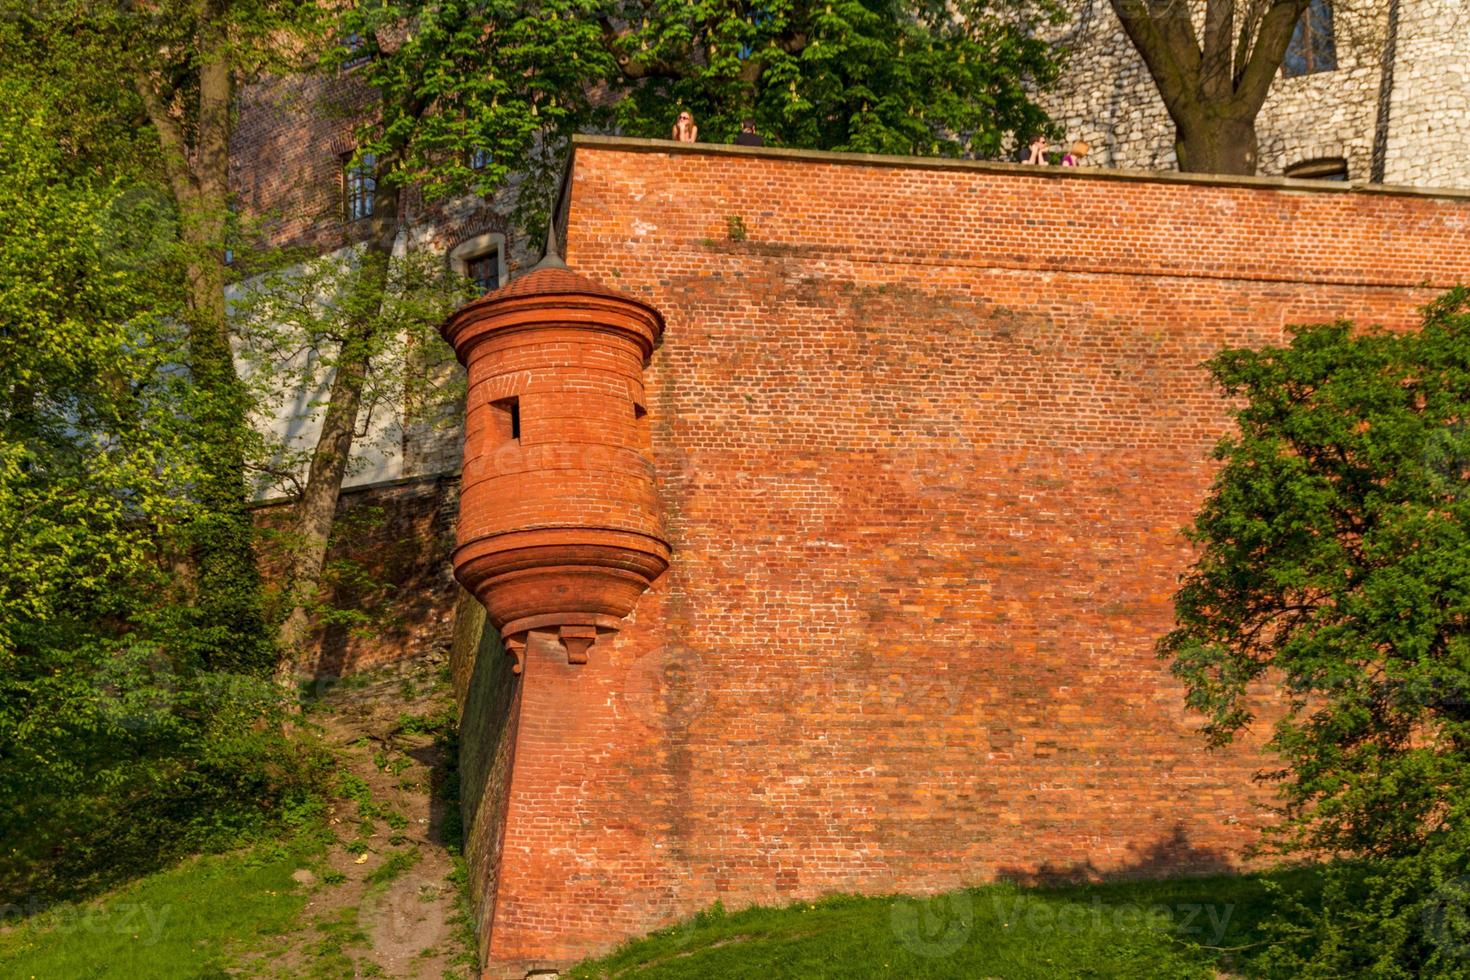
<point x="640" y="419"/>
<point x="484" y="270"/>
<point x="479" y="159"/>
<point x="481" y="260"/>
<point x="232" y="226"/>
<point x="1326" y="168"/>
<point x="359" y="186"/>
<point x="1313" y="47"/>
<point x="505" y="420"/>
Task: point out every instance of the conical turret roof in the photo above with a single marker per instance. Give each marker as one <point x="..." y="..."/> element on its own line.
<point x="551" y="281"/>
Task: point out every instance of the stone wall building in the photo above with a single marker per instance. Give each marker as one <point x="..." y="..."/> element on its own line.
<point x="289" y="158"/>
<point x="290" y="155"/>
<point x="1372" y="90"/>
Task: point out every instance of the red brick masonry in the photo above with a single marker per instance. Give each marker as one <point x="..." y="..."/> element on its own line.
<point x="559" y="526"/>
<point x="925" y="435"/>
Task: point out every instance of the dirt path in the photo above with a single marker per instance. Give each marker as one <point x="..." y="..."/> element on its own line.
<point x="384" y="901"/>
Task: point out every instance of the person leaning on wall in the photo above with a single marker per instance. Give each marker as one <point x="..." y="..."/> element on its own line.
<point x="684" y="129"/>
<point x="1035" y="152"/>
<point x="1078" y="153"/>
<point x="748" y="136"/>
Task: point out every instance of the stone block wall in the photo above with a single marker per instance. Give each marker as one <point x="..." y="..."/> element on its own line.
<point x="1108" y="98"/>
<point x="925" y="437"/>
<point x="1429" y="113"/>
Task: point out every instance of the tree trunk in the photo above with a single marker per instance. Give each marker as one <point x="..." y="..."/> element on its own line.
<point x="316" y="511"/>
<point x="227" y="583"/>
<point x="317" y="508"/>
<point x="1213" y="143"/>
<point x="1214" y="87"/>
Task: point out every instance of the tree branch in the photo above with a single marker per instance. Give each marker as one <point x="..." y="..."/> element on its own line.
<point x="1277" y="27"/>
<point x="614" y="39"/>
<point x="173" y="143"/>
<point x="1165" y="39"/>
<point x="1216" y="66"/>
<point x="283" y="477"/>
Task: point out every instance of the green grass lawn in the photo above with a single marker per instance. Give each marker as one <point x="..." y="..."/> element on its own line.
<point x="1187" y="927"/>
<point x="200" y="918"/>
<point x="189" y="921"/>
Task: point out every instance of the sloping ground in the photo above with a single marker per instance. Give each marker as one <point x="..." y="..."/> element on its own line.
<point x="188" y="921"/>
<point x="1207" y="927"/>
<point x="384" y="898"/>
<point x="375" y="891"/>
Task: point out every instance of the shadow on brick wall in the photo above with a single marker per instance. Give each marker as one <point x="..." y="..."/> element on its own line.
<point x="488" y="693"/>
<point x="1169" y="856"/>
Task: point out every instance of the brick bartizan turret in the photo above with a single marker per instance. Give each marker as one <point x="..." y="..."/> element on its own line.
<point x="559" y="525"/>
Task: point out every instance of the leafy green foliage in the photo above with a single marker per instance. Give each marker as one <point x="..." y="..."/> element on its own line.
<point x="106" y="68"/>
<point x="876" y="76"/>
<point x="1400" y="917"/>
<point x="1335" y="570"/>
<point x="472" y="92"/>
<point x="90" y="464"/>
<point x="119" y="748"/>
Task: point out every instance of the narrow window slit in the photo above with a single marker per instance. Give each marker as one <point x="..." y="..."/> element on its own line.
<point x="507" y="419"/>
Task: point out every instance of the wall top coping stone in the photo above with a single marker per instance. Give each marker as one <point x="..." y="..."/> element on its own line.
<point x="587" y="142"/>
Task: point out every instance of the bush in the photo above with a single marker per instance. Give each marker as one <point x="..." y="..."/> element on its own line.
<point x="1392" y="918"/>
<point x="116" y="767"/>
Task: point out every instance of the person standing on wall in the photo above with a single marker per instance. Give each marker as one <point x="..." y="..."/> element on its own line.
<point x="684" y="129"/>
<point x="748" y="136"/>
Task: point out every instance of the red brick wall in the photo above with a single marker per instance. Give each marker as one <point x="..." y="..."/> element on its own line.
<point x="925" y="437"/>
<point x="388" y="560"/>
<point x="286" y="156"/>
<point x="485" y="690"/>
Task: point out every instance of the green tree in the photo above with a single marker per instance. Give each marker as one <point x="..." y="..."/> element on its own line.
<point x="118" y="750"/>
<point x="470" y="94"/>
<point x="94" y="462"/>
<point x="323" y="339"/>
<point x="168" y="70"/>
<point x="509" y="81"/>
<point x="1334" y="571"/>
<point x="910" y="77"/>
<point x="186" y="59"/>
